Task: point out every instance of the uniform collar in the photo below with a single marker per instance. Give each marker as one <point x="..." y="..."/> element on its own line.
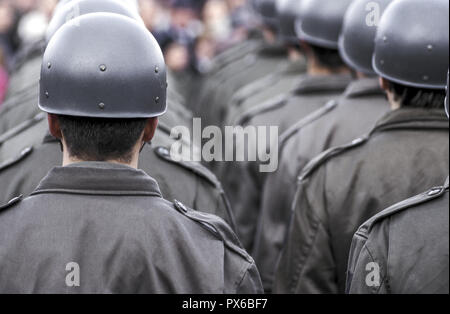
<point x="98" y="178"/>
<point x="323" y="83"/>
<point x="413" y="118"/>
<point x="363" y="87"/>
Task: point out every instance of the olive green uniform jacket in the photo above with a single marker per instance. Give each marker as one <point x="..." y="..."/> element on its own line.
<point x="311" y="94"/>
<point x="345" y="186"/>
<point x="404" y="249"/>
<point x="338" y="123"/>
<point x="105" y="228"/>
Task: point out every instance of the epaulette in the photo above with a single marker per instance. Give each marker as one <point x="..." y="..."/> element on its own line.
<point x="327" y="155"/>
<point x="22" y="127"/>
<point x="196" y="168"/>
<point x="11" y="203"/>
<point x="12" y="161"/>
<point x="289" y="133"/>
<point x="270" y="105"/>
<point x="217" y="226"/>
<point x="420" y="199"/>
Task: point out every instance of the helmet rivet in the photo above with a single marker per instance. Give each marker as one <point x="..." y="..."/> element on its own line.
<point x="101" y="106"/>
<point x="49" y="65"/>
<point x="47" y="94"/>
<point x="102" y="68"/>
<point x="426" y="77"/>
<point x="157" y="100"/>
<point x="156" y="70"/>
<point x="430" y="47"/>
<point x="381" y="62"/>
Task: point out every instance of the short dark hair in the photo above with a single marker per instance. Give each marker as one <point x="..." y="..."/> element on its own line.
<point x="329" y="58"/>
<point x="94" y="139"/>
<point x="417" y="97"/>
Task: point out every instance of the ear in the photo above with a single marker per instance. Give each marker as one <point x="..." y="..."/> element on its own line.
<point x="150" y="129"/>
<point x="53" y="126"/>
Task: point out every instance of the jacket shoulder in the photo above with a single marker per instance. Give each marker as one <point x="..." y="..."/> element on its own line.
<point x="421" y="199"/>
<point x="193" y="167"/>
<point x="17" y="159"/>
<point x="328" y="155"/>
<point x="215" y="225"/>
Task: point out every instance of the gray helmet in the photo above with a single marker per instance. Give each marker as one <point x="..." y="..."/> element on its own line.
<point x="411" y="45"/>
<point x="356" y="42"/>
<point x="75" y="8"/>
<point x="320" y="21"/>
<point x="266" y="9"/>
<point x="103" y="65"/>
<point x="288" y="11"/>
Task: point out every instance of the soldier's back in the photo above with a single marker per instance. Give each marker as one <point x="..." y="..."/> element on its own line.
<point x="112" y="222"/>
<point x="408" y="244"/>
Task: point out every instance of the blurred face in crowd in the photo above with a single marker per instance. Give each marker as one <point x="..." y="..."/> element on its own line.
<point x="216" y="19"/>
<point x="177" y="57"/>
<point x="47" y="7"/>
<point x="205" y="48"/>
<point x="234" y="4"/>
<point x="182" y="17"/>
<point x="149" y="11"/>
<point x="6" y="17"/>
<point x="24" y="5"/>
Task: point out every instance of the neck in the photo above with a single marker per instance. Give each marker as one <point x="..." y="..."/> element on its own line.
<point x="294" y="54"/>
<point x="69" y="160"/>
<point x="314" y="68"/>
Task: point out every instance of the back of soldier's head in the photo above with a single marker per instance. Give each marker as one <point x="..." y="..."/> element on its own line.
<point x="412" y="51"/>
<point x="267" y="13"/>
<point x="288" y="11"/>
<point x="104" y="77"/>
<point x="319" y="25"/>
<point x="356" y="41"/>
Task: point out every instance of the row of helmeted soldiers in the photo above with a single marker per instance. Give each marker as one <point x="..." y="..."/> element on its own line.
<point x="356" y="89"/>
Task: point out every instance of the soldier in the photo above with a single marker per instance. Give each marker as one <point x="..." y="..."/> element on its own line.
<point x="418" y="257"/>
<point x="98" y="216"/>
<point x="407" y="149"/>
<point x="326" y="79"/>
<point x="343" y="120"/>
<point x="271" y="56"/>
<point x="281" y="81"/>
<point x="21" y="103"/>
<point x="28" y="151"/>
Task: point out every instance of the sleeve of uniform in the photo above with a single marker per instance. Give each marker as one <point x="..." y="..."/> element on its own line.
<point x="367" y="271"/>
<point x="274" y="220"/>
<point x="240" y="274"/>
<point x="251" y="282"/>
<point x="306" y="264"/>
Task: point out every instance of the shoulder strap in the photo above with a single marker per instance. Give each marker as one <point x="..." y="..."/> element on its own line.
<point x="216" y="226"/>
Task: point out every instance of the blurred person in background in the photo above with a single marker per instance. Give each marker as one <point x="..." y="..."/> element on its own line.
<point x="6" y="25"/>
<point x="32" y="26"/>
<point x="3" y="77"/>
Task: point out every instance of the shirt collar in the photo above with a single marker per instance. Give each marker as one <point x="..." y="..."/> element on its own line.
<point x="417" y="118"/>
<point x="98" y="178"/>
<point x="363" y="87"/>
<point x="322" y="83"/>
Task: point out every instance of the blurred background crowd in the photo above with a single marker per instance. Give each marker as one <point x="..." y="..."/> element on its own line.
<point x="191" y="32"/>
